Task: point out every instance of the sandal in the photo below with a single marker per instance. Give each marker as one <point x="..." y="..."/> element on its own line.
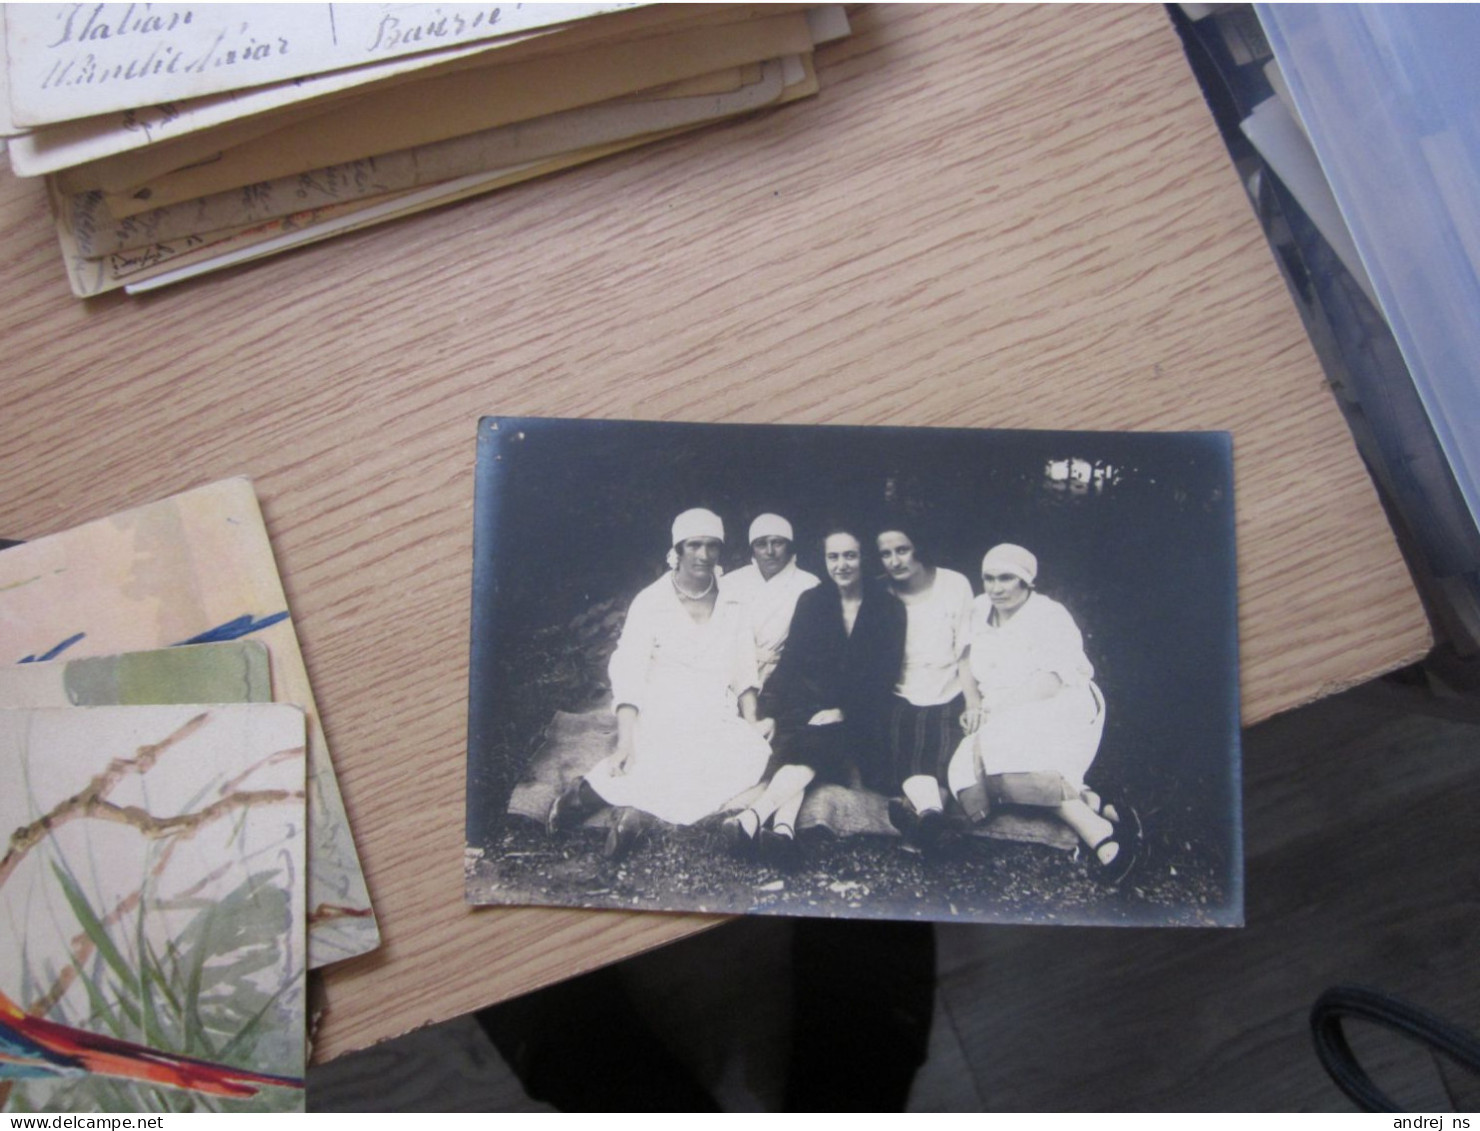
<point x="1119" y="812"/>
<point x="1114" y="872"/>
<point x="1100" y="806"/>
<point x="1127" y="836"/>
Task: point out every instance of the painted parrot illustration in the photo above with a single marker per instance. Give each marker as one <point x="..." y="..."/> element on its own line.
<point x="32" y="1047"/>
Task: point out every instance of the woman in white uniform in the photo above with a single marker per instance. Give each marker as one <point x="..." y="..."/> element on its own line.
<point x="1037" y="726"/>
<point x="684" y="690"/>
<point x="930" y="698"/>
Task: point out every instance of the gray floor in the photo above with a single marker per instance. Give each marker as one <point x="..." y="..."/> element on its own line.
<point x="1361" y="844"/>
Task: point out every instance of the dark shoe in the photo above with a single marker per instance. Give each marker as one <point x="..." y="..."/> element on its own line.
<point x="576" y="802"/>
<point x="739" y="840"/>
<point x="922" y="830"/>
<point x="903" y="817"/>
<point x="779" y="849"/>
<point x="625" y="831"/>
<point x="931" y="824"/>
<point x="1127" y="833"/>
<point x="1113" y="809"/>
<point x="1130" y="821"/>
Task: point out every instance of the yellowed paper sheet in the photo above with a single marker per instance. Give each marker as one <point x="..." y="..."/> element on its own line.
<point x="828" y="22"/>
<point x="78" y="60"/>
<point x="64" y="145"/>
<point x="199" y="254"/>
<point x="369" y="214"/>
<point x="88" y="277"/>
<point x="719" y="82"/>
<point x="467" y="102"/>
<point x="159" y="265"/>
<point x="79" y="144"/>
<point x="97" y="233"/>
<point x="8" y="128"/>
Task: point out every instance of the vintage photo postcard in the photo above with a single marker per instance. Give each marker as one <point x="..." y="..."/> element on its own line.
<point x="152" y="931"/>
<point x="849" y="671"/>
<point x="234" y="671"/>
<point x="195" y="568"/>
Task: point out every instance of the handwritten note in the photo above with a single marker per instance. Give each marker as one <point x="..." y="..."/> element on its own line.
<point x="164" y="264"/>
<point x="71" y="61"/>
<point x="466" y="100"/>
<point x="67" y="144"/>
<point x="98" y="233"/>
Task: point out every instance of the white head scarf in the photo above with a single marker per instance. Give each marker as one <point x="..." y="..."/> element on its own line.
<point x="770" y="526"/>
<point x="697" y="523"/>
<point x="1015" y="560"/>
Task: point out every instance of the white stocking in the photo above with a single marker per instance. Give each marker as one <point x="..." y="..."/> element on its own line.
<point x="923" y="792"/>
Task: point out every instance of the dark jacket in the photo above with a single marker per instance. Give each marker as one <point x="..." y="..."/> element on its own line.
<point x="824" y="667"/>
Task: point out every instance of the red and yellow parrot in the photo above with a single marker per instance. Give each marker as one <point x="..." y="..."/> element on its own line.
<point x="34" y="1048"/>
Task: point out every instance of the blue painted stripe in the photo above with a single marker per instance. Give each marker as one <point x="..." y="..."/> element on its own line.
<point x="55" y="652"/>
<point x="243" y="625"/>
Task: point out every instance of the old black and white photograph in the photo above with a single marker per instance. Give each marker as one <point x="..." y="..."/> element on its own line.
<point x="882" y="672"/>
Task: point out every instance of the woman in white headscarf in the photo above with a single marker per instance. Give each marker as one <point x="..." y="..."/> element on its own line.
<point x="770" y="587"/>
<point x="1037" y="729"/>
<point x="684" y="688"/>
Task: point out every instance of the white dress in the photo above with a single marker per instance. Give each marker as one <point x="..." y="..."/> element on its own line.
<point x="770" y="605"/>
<point x="1060" y="734"/>
<point x="935" y="641"/>
<point x="693" y="751"/>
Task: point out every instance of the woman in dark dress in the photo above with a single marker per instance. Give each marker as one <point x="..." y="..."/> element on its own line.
<point x="828" y="694"/>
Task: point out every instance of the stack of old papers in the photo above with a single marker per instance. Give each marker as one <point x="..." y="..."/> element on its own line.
<point x="179" y="854"/>
<point x="177" y="139"/>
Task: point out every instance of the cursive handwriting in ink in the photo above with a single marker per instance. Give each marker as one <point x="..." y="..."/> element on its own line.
<point x="87" y="23"/>
<point x="392" y="32"/>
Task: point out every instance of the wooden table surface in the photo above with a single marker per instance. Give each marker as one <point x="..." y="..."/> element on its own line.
<point x="1008" y="217"/>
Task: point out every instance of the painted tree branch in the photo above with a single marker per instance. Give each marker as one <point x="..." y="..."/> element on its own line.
<point x="92" y="801"/>
<point x="186" y="825"/>
<point x="28" y="836"/>
<point x="324" y="912"/>
<point x="272" y="759"/>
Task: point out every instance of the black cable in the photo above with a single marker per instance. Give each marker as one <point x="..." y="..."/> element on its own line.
<point x="1340" y="1062"/>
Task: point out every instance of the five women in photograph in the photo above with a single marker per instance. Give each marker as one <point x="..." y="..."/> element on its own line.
<point x="949" y="703"/>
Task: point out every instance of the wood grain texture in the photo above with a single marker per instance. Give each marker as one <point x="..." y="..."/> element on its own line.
<point x="1008" y="217"/>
